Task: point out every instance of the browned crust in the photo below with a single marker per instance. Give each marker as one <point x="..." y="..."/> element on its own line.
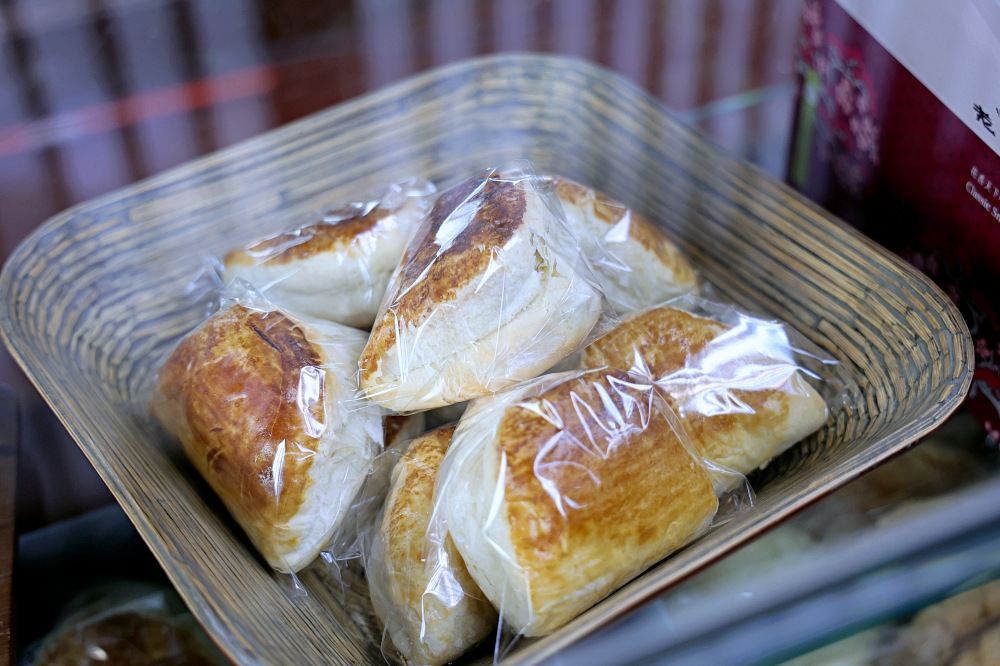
<point x="404" y="527"/>
<point x="607" y="210"/>
<point x="431" y="276"/>
<point x="641" y="230"/>
<point x="236" y="381"/>
<point x="666" y="338"/>
<point x="713" y="436"/>
<point x="618" y="494"/>
<point x="435" y="630"/>
<point x="409" y="508"/>
<point x="310" y="240"/>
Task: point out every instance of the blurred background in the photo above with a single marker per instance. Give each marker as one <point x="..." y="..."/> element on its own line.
<point x="98" y="94"/>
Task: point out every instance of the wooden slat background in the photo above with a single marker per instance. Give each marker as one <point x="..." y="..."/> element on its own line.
<point x="97" y="94"/>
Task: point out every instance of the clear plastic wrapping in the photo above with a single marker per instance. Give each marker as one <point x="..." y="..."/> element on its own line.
<point x="258" y="399"/>
<point x="559" y="490"/>
<point x="552" y="490"/>
<point x="127" y="624"/>
<point x="935" y="479"/>
<point x="492" y="290"/>
<point x="637" y="265"/>
<point x="421" y="628"/>
<point x="337" y="268"/>
<point x="742" y="388"/>
<point x="345" y="545"/>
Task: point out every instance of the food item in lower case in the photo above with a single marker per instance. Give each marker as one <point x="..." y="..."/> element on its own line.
<point x="491" y="291"/>
<point x="255" y="397"/>
<point x="559" y="491"/>
<point x="637" y="265"/>
<point x="127" y="638"/>
<point x="740" y="397"/>
<point x="126" y="624"/>
<point x="336" y="269"/>
<point x="953" y="457"/>
<point x="964" y="629"/>
<point x="432" y="614"/>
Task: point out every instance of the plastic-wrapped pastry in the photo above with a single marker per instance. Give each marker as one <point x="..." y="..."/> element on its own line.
<point x="338" y="268"/>
<point x="636" y="264"/>
<point x="257" y="398"/>
<point x="345" y="543"/>
<point x="558" y="491"/>
<point x="432" y="611"/>
<point x="492" y="290"/>
<point x="126" y="624"/>
<point x="964" y="629"/>
<point x="740" y="395"/>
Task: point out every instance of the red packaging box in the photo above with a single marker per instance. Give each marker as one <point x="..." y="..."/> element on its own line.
<point x="898" y="132"/>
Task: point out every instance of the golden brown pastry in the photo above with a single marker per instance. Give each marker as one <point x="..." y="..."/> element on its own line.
<point x="336" y="269"/>
<point x="738" y="409"/>
<point x="487" y="295"/>
<point x="637" y="265"/>
<point x="431" y="614"/>
<point x="255" y="397"/>
<point x="964" y="629"/>
<point x="559" y="491"/>
<point x="345" y="543"/>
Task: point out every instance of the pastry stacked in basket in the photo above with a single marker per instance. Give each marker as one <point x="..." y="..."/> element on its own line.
<point x="594" y="408"/>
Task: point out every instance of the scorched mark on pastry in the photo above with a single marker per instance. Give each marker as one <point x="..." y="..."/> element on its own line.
<point x="499" y="212"/>
<point x="499" y="209"/>
<point x="310" y="240"/>
<point x="267" y="339"/>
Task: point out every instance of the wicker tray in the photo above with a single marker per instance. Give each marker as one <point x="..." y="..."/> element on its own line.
<point x="96" y="296"/>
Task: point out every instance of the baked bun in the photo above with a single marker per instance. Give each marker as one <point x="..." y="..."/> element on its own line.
<point x="559" y="491"/>
<point x="338" y="268"/>
<point x="255" y="398"/>
<point x="740" y="396"/>
<point x="636" y="264"/>
<point x="345" y="544"/>
<point x="490" y="292"/>
<point x="432" y="614"/>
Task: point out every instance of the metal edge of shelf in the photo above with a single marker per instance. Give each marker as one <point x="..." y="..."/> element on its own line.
<point x="835" y="588"/>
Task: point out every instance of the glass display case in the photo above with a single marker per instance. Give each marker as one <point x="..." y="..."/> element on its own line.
<point x="85" y="109"/>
